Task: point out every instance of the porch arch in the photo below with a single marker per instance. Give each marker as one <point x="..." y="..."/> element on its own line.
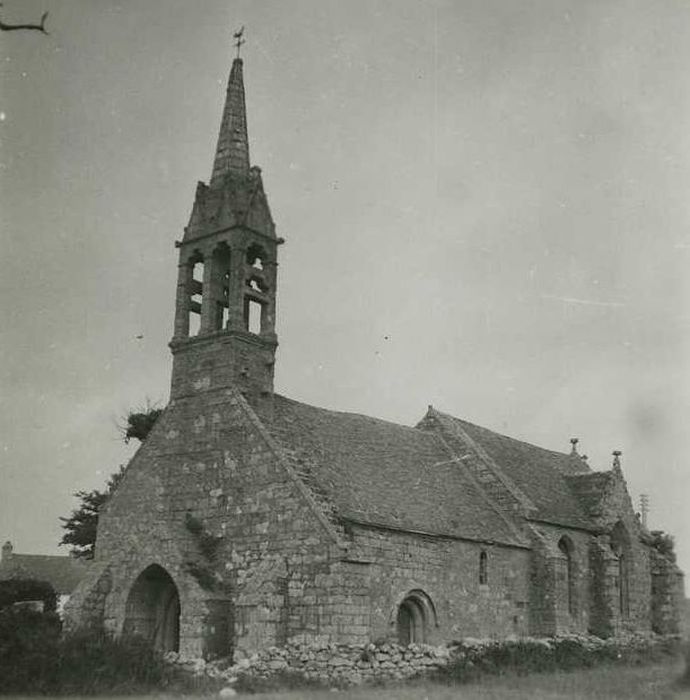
<point x="152" y="610"/>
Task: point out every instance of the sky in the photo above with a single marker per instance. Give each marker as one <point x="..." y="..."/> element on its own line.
<point x="485" y="205"/>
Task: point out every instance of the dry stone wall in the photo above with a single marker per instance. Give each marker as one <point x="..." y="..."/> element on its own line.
<point x="341" y="665"/>
<point x="338" y="664"/>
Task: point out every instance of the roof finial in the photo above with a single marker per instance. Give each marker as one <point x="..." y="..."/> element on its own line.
<point x="239" y="40"/>
<point x="6" y="550"/>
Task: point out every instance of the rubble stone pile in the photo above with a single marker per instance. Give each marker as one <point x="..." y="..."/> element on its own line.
<point x="340" y="664"/>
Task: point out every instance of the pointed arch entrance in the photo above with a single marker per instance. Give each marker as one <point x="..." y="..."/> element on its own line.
<point x="153" y="609"/>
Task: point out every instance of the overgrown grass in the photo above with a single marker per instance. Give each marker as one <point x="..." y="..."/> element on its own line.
<point x="472" y="660"/>
<point x="36" y="660"/>
<point x="658" y="681"/>
<point x="685" y="679"/>
<point x="28" y="644"/>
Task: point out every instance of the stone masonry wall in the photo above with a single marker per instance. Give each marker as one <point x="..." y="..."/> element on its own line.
<point x="560" y="605"/>
<point x="667" y="594"/>
<point x="239" y="358"/>
<point x="617" y="511"/>
<point x="347" y="664"/>
<point x="447" y="571"/>
<point x="597" y="592"/>
<point x="281" y="571"/>
<point x="85" y="607"/>
<point x="206" y="457"/>
<point x="600" y="606"/>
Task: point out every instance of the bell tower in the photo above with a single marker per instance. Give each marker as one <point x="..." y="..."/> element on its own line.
<point x="226" y="289"/>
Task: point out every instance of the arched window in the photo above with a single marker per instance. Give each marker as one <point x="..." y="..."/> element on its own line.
<point x="620" y="545"/>
<point x="567" y="549"/>
<point x="414" y="617"/>
<point x="483" y="568"/>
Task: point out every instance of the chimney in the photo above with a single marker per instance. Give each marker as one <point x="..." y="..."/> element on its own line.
<point x="6" y="551"/>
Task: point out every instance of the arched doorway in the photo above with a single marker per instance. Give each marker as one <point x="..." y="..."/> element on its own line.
<point x="153" y="609"/>
<point x="415" y="614"/>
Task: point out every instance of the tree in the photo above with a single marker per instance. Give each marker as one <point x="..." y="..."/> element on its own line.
<point x="81" y="526"/>
<point x="664" y="544"/>
<point x="139" y="424"/>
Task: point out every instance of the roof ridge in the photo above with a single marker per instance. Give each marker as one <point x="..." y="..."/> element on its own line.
<point x="592" y="472"/>
<point x="537" y="472"/>
<point x="467" y="474"/>
<point x="349" y="413"/>
<point x="279" y="452"/>
<point x="520" y="498"/>
<point x="61" y="557"/>
<point x="502" y="435"/>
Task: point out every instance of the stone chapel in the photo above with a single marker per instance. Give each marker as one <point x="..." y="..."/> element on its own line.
<point x="248" y="519"/>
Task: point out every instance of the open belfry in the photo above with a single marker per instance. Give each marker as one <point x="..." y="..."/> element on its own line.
<point x="225" y="310"/>
<point x="248" y="520"/>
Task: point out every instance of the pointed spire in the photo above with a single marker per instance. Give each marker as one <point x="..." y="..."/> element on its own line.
<point x="232" y="151"/>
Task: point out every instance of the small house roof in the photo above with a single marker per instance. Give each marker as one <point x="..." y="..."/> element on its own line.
<point x="63" y="573"/>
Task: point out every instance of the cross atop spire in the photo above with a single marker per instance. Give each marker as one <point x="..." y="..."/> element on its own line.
<point x="239" y="40"/>
<point x="232" y="150"/>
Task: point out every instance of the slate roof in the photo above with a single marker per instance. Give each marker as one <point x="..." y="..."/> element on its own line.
<point x="63" y="573"/>
<point x="541" y="474"/>
<point x="386" y="474"/>
<point x="382" y="473"/>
